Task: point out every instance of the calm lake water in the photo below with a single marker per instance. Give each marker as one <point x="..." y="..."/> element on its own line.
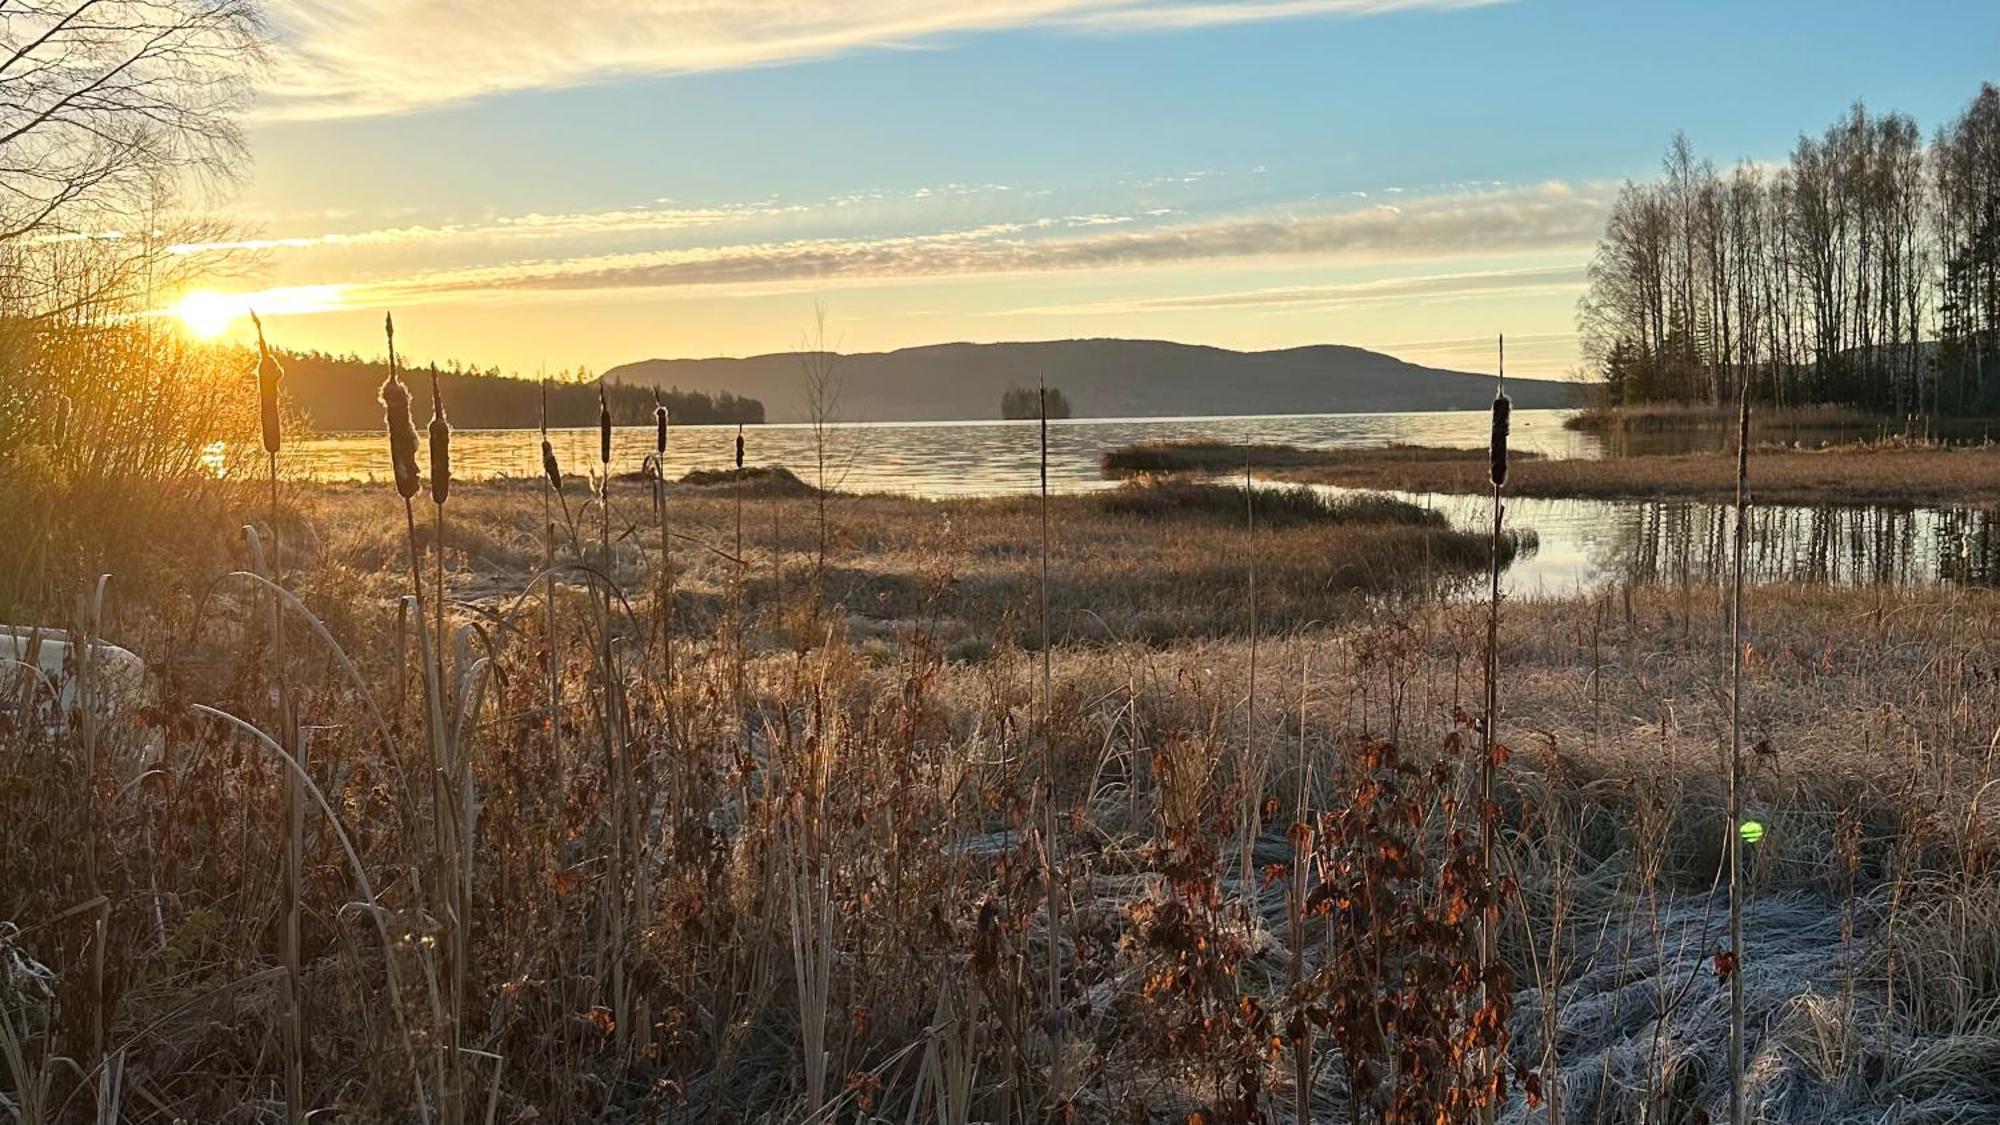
<point x="937" y="458"/>
<point x="1584" y="544"/>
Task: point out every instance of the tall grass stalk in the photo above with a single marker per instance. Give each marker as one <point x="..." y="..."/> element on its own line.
<point x="1250" y="820"/>
<point x="439" y="433"/>
<point x="617" y="765"/>
<point x="453" y="803"/>
<point x="736" y="597"/>
<point x="661" y="419"/>
<point x="1295" y="909"/>
<point x="1050" y="846"/>
<point x="1734" y="836"/>
<point x="1489" y="924"/>
<point x="269" y="373"/>
<point x="395" y="397"/>
<point x="551" y="483"/>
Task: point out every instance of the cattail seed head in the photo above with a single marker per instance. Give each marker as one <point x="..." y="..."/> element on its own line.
<point x="739" y="447"/>
<point x="550" y="468"/>
<point x="1503" y="410"/>
<point x="660" y="431"/>
<point x="269" y="371"/>
<point x="603" y="428"/>
<point x="402" y="436"/>
<point x="440" y="434"/>
<point x="396" y="413"/>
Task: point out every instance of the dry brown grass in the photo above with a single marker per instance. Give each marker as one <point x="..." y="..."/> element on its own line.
<point x="849" y="862"/>
<point x="1199" y="455"/>
<point x="1154" y="564"/>
<point x="1892" y="474"/>
<point x="1670" y="416"/>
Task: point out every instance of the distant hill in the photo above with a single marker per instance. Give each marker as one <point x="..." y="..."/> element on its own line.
<point x="337" y="393"/>
<point x="1102" y="379"/>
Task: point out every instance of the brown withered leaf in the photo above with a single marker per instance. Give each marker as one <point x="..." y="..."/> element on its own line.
<point x="1725" y="964"/>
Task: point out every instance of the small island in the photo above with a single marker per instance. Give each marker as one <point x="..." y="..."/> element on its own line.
<point x="1017" y="403"/>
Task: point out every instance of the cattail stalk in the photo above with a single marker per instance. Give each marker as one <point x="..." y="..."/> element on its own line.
<point x="453" y="780"/>
<point x="1049" y="846"/>
<point x="616" y="761"/>
<point x="742" y="578"/>
<point x="1734" y="837"/>
<point x="269" y="372"/>
<point x="1489" y="924"/>
<point x="395" y="398"/>
<point x="1252" y="773"/>
<point x="660" y="422"/>
<point x="440" y="450"/>
<point x="551" y="483"/>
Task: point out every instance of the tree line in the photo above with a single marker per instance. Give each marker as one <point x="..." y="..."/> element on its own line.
<point x="339" y="393"/>
<point x="1865" y="272"/>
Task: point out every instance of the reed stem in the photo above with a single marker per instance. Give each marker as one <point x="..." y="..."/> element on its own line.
<point x="1734" y="839"/>
<point x="1051" y="848"/>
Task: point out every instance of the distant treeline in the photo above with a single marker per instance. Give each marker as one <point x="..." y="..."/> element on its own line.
<point x="1863" y="272"/>
<point x="339" y="393"/>
<point x="1025" y="402"/>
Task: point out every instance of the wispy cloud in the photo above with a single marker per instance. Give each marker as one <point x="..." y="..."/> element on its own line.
<point x="1397" y="290"/>
<point x="345" y="58"/>
<point x="1543" y="217"/>
<point x="1174" y="17"/>
<point x="533" y="226"/>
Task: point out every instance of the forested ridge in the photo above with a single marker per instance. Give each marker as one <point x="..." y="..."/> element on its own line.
<point x="339" y="393"/>
<point x="1865" y="271"/>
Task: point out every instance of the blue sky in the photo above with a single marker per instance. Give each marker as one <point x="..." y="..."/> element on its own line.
<point x="606" y="180"/>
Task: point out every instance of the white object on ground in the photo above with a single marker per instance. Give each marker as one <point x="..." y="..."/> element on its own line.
<point x="37" y="667"/>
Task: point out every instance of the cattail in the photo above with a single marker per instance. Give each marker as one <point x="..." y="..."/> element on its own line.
<point x="603" y="429"/>
<point x="268" y="373"/>
<point x="1503" y="409"/>
<point x="402" y="432"/>
<point x="440" y="434"/>
<point x="660" y="434"/>
<point x="739" y="447"/>
<point x="550" y="468"/>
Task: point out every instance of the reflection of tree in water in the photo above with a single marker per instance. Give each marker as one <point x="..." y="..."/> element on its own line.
<point x="1686" y="542"/>
<point x="1968" y="547"/>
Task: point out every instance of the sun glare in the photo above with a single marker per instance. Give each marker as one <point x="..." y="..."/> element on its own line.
<point x="207" y="314"/>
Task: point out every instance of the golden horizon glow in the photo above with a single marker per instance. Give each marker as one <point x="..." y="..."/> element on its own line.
<point x="210" y="314"/>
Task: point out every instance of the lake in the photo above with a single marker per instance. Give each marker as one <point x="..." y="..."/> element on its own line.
<point x="1584" y="544"/>
<point x="936" y="458"/>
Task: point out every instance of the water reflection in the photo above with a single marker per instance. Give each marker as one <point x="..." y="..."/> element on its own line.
<point x="1587" y="544"/>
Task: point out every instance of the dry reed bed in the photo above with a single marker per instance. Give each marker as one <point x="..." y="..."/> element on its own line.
<point x="1201" y="455"/>
<point x="1659" y="417"/>
<point x="1892" y="474"/>
<point x="1159" y="563"/>
<point x="840" y="839"/>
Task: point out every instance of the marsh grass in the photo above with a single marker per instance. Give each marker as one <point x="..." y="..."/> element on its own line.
<point x="1170" y="498"/>
<point x="1895" y="474"/>
<point x="1202" y="455"/>
<point x="963" y="857"/>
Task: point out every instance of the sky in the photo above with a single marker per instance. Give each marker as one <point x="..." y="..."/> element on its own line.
<point x="535" y="184"/>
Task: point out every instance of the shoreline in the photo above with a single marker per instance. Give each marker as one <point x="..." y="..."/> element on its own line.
<point x="1888" y="475"/>
<point x="1828" y="422"/>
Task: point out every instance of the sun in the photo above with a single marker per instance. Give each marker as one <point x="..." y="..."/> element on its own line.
<point x="207" y="314"/>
